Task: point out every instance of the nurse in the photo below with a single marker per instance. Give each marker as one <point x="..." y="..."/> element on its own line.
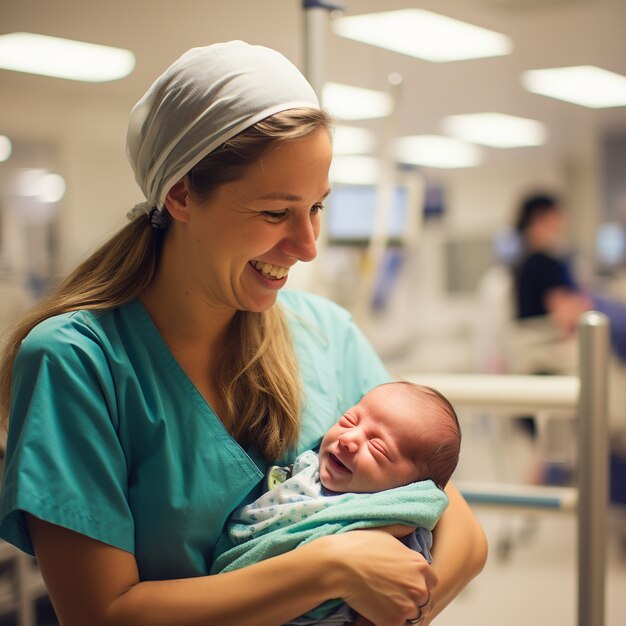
<point x="150" y="392"/>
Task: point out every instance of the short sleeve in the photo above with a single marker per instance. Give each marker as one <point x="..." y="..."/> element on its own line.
<point x="64" y="461"/>
<point x="536" y="276"/>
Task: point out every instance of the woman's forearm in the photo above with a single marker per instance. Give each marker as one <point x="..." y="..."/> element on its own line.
<point x="94" y="583"/>
<point x="266" y="594"/>
<point x="459" y="550"/>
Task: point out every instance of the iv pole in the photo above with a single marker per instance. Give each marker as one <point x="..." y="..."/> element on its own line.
<point x="316" y="27"/>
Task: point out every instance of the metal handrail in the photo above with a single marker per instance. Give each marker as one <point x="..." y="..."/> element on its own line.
<point x="587" y="397"/>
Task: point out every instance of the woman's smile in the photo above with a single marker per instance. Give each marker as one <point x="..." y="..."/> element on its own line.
<point x="270" y="271"/>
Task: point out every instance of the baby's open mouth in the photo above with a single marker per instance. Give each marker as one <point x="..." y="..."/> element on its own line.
<point x="337" y="464"/>
<point x="267" y="270"/>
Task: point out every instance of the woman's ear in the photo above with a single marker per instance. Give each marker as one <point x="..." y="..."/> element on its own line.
<point x="177" y="200"/>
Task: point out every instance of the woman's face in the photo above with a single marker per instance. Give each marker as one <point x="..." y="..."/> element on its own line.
<point x="548" y="229"/>
<point x="239" y="245"/>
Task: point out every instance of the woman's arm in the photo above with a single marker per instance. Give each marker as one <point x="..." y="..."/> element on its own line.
<point x="459" y="552"/>
<point x="565" y="308"/>
<point x="94" y="583"/>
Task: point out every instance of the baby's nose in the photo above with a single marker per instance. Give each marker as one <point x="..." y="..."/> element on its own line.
<point x="349" y="443"/>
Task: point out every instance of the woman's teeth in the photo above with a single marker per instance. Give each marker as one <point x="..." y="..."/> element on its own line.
<point x="275" y="272"/>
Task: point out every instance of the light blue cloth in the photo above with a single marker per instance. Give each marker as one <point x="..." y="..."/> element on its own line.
<point x="300" y="510"/>
<point x="302" y="497"/>
<point x="110" y="438"/>
<point x="300" y="518"/>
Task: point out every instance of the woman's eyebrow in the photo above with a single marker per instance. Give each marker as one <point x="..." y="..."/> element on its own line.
<point x="288" y="197"/>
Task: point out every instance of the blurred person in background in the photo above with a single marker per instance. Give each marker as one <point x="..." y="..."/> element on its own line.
<point x="544" y="279"/>
<point x="544" y="282"/>
<point x="548" y="302"/>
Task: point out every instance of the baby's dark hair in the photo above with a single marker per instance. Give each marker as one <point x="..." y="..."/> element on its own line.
<point x="436" y="458"/>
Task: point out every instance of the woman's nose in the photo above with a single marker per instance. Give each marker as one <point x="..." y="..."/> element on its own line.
<point x="301" y="240"/>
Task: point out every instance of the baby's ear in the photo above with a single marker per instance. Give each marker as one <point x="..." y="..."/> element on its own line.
<point x="177" y="200"/>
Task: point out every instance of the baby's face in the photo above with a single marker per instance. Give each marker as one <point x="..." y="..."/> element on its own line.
<point x="365" y="450"/>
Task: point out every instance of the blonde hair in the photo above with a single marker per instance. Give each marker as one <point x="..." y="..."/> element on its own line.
<point x="259" y="379"/>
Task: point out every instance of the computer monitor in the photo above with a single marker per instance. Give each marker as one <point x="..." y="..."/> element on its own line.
<point x="351" y="211"/>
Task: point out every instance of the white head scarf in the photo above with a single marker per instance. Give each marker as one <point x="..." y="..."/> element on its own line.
<point x="206" y="97"/>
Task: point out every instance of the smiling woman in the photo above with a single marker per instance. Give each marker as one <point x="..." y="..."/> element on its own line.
<point x="148" y="395"/>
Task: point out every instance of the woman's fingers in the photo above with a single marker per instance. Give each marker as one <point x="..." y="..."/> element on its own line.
<point x="383" y="580"/>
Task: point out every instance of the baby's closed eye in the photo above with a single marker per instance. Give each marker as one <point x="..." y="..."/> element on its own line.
<point x="347" y="421"/>
<point x="378" y="447"/>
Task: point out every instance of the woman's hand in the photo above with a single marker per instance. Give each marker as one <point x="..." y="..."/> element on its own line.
<point x="380" y="578"/>
<point x="565" y="308"/>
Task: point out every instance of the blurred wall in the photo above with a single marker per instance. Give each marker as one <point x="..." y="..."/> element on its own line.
<point x="87" y="137"/>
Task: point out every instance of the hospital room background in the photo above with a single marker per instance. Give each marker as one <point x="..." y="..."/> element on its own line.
<point x="436" y="144"/>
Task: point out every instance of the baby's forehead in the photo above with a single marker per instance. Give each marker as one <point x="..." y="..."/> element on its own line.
<point x="411" y="413"/>
<point x="399" y="400"/>
<point x="398" y="417"/>
<point x="389" y="391"/>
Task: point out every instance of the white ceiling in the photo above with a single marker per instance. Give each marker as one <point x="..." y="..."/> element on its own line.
<point x="546" y="33"/>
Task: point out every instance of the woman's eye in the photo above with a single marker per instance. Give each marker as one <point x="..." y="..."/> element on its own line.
<point x="317" y="208"/>
<point x="275" y="216"/>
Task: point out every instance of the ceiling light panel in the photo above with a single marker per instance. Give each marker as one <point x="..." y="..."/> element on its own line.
<point x="64" y="58"/>
<point x="585" y="85"/>
<point x="353" y="140"/>
<point x="496" y="130"/>
<point x="423" y="34"/>
<point x="355" y="170"/>
<point x="437" y="151"/>
<point x="346" y="102"/>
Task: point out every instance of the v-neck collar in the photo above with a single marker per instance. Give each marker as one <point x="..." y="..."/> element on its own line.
<point x="147" y="330"/>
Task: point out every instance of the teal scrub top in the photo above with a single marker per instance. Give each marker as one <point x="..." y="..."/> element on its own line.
<point x="110" y="438"/>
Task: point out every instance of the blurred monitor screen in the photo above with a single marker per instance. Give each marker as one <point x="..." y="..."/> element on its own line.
<point x="611" y="244"/>
<point x="351" y="211"/>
